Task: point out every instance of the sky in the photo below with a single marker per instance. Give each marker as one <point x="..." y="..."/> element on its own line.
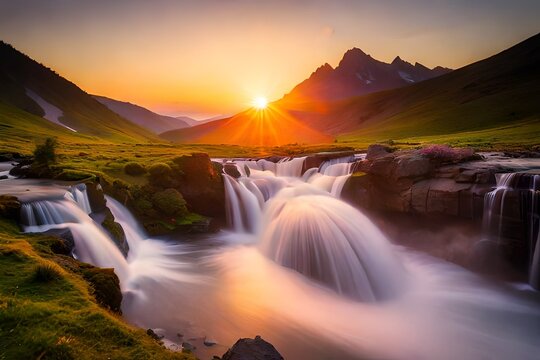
<point x="211" y="57"/>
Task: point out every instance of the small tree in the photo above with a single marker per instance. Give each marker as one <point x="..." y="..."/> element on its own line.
<point x="45" y="154"/>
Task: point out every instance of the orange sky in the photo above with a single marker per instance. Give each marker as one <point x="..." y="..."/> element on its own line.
<point x="205" y="58"/>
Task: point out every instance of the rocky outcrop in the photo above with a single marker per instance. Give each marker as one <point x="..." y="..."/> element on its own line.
<point x="252" y="349"/>
<point x="63" y="242"/>
<point x="96" y="196"/>
<point x="105" y="285"/>
<point x="201" y="184"/>
<point x="413" y="182"/>
<point x="231" y="170"/>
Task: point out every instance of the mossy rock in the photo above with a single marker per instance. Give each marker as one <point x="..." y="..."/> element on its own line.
<point x="96" y="196"/>
<point x="10" y="207"/>
<point x="106" y="286"/>
<point x="116" y="231"/>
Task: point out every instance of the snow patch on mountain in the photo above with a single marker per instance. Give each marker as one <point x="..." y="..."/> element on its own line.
<point x="52" y="113"/>
<point x="406" y="76"/>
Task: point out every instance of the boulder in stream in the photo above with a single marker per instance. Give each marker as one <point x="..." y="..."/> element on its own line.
<point x="252" y="349"/>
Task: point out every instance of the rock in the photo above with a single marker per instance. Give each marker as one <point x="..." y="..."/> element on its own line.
<point x="10" y="207"/>
<point x="209" y="342"/>
<point x="201" y="184"/>
<point x="20" y="170"/>
<point x="115" y="231"/>
<point x="378" y="150"/>
<point x="252" y="349"/>
<point x="64" y="244"/>
<point x="153" y="335"/>
<point x="443" y="196"/>
<point x="6" y="157"/>
<point x="360" y="166"/>
<point x="382" y="166"/>
<point x="188" y="346"/>
<point x="106" y="286"/>
<point x="3" y="177"/>
<point x="232" y="170"/>
<point x="96" y="196"/>
<point x="412" y="167"/>
<point x="467" y="176"/>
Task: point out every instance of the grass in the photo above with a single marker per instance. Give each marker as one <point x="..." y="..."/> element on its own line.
<point x="56" y="316"/>
<point x="523" y="135"/>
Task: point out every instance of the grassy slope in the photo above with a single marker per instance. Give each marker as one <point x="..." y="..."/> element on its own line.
<point x="493" y="102"/>
<point x="141" y="116"/>
<point x="81" y="111"/>
<point x="58" y="319"/>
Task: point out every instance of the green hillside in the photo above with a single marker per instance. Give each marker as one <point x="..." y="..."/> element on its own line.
<point x="19" y="73"/>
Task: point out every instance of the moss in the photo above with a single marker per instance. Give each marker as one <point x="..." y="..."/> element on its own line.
<point x="75" y="175"/>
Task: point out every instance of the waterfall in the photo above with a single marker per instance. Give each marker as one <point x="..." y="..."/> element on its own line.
<point x="92" y="244"/>
<point x="516" y="199"/>
<point x="79" y="194"/>
<point x="261" y="180"/>
<point x="301" y="224"/>
<point x="134" y="232"/>
<point x="290" y="166"/>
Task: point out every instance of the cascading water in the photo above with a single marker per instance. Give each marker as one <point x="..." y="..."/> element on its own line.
<point x="79" y="194"/>
<point x="515" y="204"/>
<point x="261" y="180"/>
<point x="325" y="239"/>
<point x="92" y="244"/>
<point x="300" y="225"/>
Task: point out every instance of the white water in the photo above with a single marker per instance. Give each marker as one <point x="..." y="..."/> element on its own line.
<point x="247" y="196"/>
<point x="331" y="242"/>
<point x="217" y="288"/>
<point x="495" y="206"/>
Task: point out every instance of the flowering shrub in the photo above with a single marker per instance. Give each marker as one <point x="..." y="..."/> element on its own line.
<point x="446" y="153"/>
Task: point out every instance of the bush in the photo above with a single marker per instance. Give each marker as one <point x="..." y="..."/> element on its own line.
<point x="45" y="154"/>
<point x="46" y="273"/>
<point x="160" y="175"/>
<point x="446" y="153"/>
<point x="134" y="169"/>
<point x="170" y="202"/>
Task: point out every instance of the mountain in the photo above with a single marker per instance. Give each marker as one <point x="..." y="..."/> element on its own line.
<point x="492" y="101"/>
<point x="47" y="99"/>
<point x="359" y="74"/>
<point x="193" y="122"/>
<point x="252" y="127"/>
<point x="143" y="117"/>
<point x="500" y="92"/>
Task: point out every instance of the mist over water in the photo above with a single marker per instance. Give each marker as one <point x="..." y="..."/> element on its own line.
<point x="306" y="271"/>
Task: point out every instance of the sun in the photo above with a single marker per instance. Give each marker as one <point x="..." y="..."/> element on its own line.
<point x="260" y="103"/>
